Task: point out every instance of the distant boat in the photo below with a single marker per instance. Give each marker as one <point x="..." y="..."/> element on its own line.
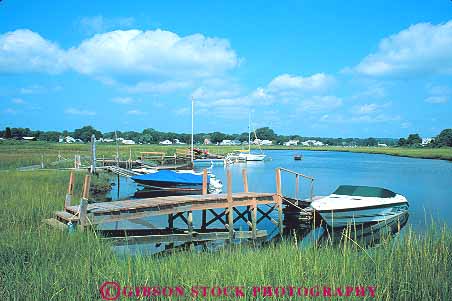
<point x="298" y="157"/>
<point x="247" y="155"/>
<point x="356" y="205"/>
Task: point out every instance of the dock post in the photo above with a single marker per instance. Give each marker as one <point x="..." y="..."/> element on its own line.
<point x="204" y="192"/>
<point x="93" y="153"/>
<point x="297" y="180"/>
<point x="84" y="203"/>
<point x="245" y="189"/>
<point x="170" y="221"/>
<point x="70" y="191"/>
<point x="279" y="200"/>
<point x="230" y="210"/>
<point x="254" y="219"/>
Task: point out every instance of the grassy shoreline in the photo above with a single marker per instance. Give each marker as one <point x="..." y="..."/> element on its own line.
<point x="44" y="264"/>
<point x="31" y="153"/>
<point x="420" y="153"/>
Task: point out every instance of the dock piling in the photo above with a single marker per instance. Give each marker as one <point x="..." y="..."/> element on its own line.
<point x="230" y="206"/>
<point x="70" y="191"/>
<point x="84" y="203"/>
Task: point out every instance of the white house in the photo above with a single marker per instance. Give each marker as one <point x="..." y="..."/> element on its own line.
<point x="312" y="143"/>
<point x="207" y="141"/>
<point x="129" y="142"/>
<point x="382" y="145"/>
<point x="165" y="142"/>
<point x="176" y="141"/>
<point x="67" y="139"/>
<point x="226" y="142"/>
<point x="106" y="140"/>
<point x="29" y="138"/>
<point x="426" y="141"/>
<point x="291" y="143"/>
<point x="266" y="142"/>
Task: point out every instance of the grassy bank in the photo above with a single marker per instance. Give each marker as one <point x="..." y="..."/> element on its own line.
<point x="40" y="263"/>
<point x="424" y="153"/>
<point x="33" y="153"/>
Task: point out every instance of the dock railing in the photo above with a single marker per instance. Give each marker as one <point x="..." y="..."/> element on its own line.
<point x="297" y="181"/>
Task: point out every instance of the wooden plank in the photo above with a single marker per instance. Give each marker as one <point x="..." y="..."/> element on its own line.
<point x="106" y="218"/>
<point x="66" y="216"/>
<point x="204" y="181"/>
<point x="245" y="180"/>
<point x="55" y="224"/>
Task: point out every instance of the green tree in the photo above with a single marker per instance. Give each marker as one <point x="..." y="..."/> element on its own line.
<point x="413" y="139"/>
<point x="402" y="142"/>
<point x="265" y="133"/>
<point x="8" y="133"/>
<point x="444" y="138"/>
<point x="85" y="133"/>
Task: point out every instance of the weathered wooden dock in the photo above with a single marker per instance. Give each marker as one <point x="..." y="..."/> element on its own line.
<point x="226" y="209"/>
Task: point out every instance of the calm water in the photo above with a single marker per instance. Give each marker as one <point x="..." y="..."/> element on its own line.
<point x="427" y="184"/>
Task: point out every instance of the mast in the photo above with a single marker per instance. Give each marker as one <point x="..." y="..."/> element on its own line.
<point x="249" y="132"/>
<point x="192" y="125"/>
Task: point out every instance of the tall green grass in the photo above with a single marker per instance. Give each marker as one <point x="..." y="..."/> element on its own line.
<point x="39" y="263"/>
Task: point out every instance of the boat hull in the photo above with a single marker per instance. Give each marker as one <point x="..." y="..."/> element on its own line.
<point x="364" y="215"/>
<point x="252" y="157"/>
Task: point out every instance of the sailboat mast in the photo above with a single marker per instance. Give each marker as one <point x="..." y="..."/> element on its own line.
<point x="249" y="132"/>
<point x="192" y="125"/>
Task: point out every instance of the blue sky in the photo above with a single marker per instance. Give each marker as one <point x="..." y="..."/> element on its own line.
<point x="315" y="68"/>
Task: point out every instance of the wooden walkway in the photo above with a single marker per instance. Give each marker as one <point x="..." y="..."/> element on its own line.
<point x="226" y="209"/>
<point x="107" y="212"/>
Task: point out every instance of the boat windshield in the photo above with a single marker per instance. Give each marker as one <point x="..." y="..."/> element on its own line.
<point x="365" y="191"/>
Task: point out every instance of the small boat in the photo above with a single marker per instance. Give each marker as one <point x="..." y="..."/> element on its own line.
<point x="356" y="205"/>
<point x="165" y="179"/>
<point x="297" y="157"/>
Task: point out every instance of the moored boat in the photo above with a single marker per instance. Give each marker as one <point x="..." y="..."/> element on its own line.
<point x="297" y="157"/>
<point x="355" y="205"/>
<point x="177" y="179"/>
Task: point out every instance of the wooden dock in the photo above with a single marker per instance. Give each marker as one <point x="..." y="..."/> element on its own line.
<point x="226" y="209"/>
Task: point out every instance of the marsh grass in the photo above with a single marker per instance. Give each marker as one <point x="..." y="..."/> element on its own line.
<point x="40" y="263"/>
<point x="20" y="154"/>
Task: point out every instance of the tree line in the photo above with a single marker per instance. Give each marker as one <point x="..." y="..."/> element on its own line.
<point x="152" y="136"/>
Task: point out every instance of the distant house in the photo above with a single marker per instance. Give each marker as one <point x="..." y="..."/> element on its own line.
<point x="106" y="140"/>
<point x="176" y="141"/>
<point x="256" y="141"/>
<point x="67" y="139"/>
<point x="29" y="138"/>
<point x="291" y="143"/>
<point x="129" y="142"/>
<point x="226" y="142"/>
<point x="426" y="141"/>
<point x="165" y="142"/>
<point x="207" y="141"/>
<point x="382" y="145"/>
<point x="312" y="143"/>
<point x="266" y="142"/>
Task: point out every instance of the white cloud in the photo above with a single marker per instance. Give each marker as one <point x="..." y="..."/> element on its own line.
<point x="319" y="104"/>
<point x="153" y="54"/>
<point x="74" y="111"/>
<point x="10" y="111"/>
<point x="136" y="112"/>
<point x="369" y="108"/>
<point x="26" y="51"/>
<point x="376" y="118"/>
<point x="18" y="101"/>
<point x="123" y="100"/>
<point x="157" y="87"/>
<point x="287" y="82"/>
<point x="422" y="48"/>
<point x="437" y="99"/>
<point x="97" y="24"/>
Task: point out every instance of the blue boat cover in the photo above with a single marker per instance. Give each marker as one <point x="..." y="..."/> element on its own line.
<point x="170" y="176"/>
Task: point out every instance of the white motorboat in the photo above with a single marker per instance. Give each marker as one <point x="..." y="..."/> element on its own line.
<point x="356" y="205"/>
<point x="251" y="157"/>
